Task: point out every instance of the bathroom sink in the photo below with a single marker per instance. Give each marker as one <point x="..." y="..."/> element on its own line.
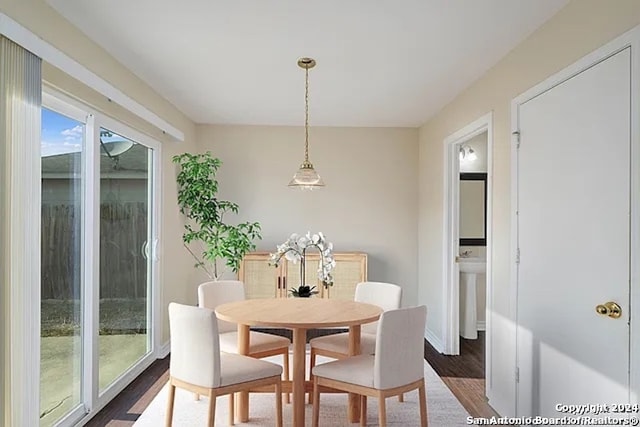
<point x="473" y="265"/>
<point x="469" y="267"/>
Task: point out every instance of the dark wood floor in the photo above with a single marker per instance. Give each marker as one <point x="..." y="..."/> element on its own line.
<point x="463" y="374"/>
<point x="125" y="409"/>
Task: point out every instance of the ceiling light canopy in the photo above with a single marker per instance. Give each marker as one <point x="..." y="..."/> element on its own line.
<point x="306" y="178"/>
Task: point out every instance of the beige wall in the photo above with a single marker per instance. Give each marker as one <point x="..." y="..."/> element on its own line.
<point x="369" y="203"/>
<point x="581" y="27"/>
<point x="177" y="272"/>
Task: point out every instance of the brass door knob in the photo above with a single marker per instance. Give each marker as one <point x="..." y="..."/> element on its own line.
<point x="610" y="309"/>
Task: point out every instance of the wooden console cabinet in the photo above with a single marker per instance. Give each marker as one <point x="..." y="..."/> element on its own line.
<point x="262" y="280"/>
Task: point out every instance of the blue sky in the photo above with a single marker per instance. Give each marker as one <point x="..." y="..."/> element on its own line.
<point x="60" y="134"/>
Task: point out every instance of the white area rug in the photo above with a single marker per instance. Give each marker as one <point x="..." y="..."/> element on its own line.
<point x="442" y="406"/>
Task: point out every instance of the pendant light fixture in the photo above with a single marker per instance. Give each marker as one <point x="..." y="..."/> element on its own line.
<point x="467" y="153"/>
<point x="306" y="178"/>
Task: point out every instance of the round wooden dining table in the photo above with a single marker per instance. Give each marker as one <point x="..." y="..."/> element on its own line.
<point x="298" y="315"/>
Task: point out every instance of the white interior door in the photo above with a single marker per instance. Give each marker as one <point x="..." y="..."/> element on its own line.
<point x="573" y="171"/>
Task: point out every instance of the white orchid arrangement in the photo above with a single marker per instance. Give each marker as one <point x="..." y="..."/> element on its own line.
<point x="294" y="249"/>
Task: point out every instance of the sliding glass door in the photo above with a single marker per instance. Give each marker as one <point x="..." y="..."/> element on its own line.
<point x="124" y="248"/>
<point x="61" y="304"/>
<point x="99" y="218"/>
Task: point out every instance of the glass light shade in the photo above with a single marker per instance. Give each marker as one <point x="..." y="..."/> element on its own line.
<point x="467" y="154"/>
<point x="306" y="178"/>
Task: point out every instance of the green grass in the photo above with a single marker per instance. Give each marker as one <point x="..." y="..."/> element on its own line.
<point x="60" y="369"/>
<point x="118" y="316"/>
<point x="122" y="342"/>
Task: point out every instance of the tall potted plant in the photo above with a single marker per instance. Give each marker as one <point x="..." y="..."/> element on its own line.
<point x="206" y="224"/>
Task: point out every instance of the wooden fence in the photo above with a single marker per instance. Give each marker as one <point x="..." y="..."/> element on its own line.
<point x="123" y="264"/>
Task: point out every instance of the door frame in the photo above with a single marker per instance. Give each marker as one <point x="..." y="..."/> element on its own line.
<point x="93" y="400"/>
<point x="451" y="285"/>
<point x="630" y="39"/>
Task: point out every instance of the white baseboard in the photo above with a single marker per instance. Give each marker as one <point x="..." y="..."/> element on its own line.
<point x="433" y="339"/>
<point x="489" y="402"/>
<point x="164" y="350"/>
<point x="481" y="325"/>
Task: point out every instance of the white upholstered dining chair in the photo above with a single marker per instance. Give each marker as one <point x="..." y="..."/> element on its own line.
<point x="396" y="367"/>
<point x="385" y="295"/>
<point x="198" y="365"/>
<point x="213" y="294"/>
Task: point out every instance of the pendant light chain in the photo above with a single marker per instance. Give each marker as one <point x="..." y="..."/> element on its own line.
<point x="306" y="115"/>
<point x="306" y="178"/>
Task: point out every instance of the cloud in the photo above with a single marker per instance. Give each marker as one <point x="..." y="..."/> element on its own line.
<point x="54" y="148"/>
<point x="75" y="131"/>
<point x="73" y="136"/>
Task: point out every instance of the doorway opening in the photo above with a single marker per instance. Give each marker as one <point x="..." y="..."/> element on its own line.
<point x="467" y="253"/>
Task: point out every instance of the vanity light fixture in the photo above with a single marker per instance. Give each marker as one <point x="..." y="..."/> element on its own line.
<point x="306" y="178"/>
<point x="467" y="153"/>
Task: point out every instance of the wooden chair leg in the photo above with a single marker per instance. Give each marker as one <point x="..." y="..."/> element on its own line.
<point x="285" y="365"/>
<point x="196" y="397"/>
<point x="312" y="363"/>
<point x="172" y="395"/>
<point x="363" y="411"/>
<point x="401" y="397"/>
<point x="278" y="388"/>
<point x="422" y="397"/>
<point x="231" y="408"/>
<point x="382" y="411"/>
<point x="212" y="409"/>
<point x="316" y="403"/>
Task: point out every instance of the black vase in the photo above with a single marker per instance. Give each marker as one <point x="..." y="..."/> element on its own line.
<point x="304" y="291"/>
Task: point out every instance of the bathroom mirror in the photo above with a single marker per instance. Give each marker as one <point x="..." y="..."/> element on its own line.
<point x="473" y="209"/>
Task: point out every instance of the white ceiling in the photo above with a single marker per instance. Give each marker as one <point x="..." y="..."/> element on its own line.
<point x="380" y="63"/>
